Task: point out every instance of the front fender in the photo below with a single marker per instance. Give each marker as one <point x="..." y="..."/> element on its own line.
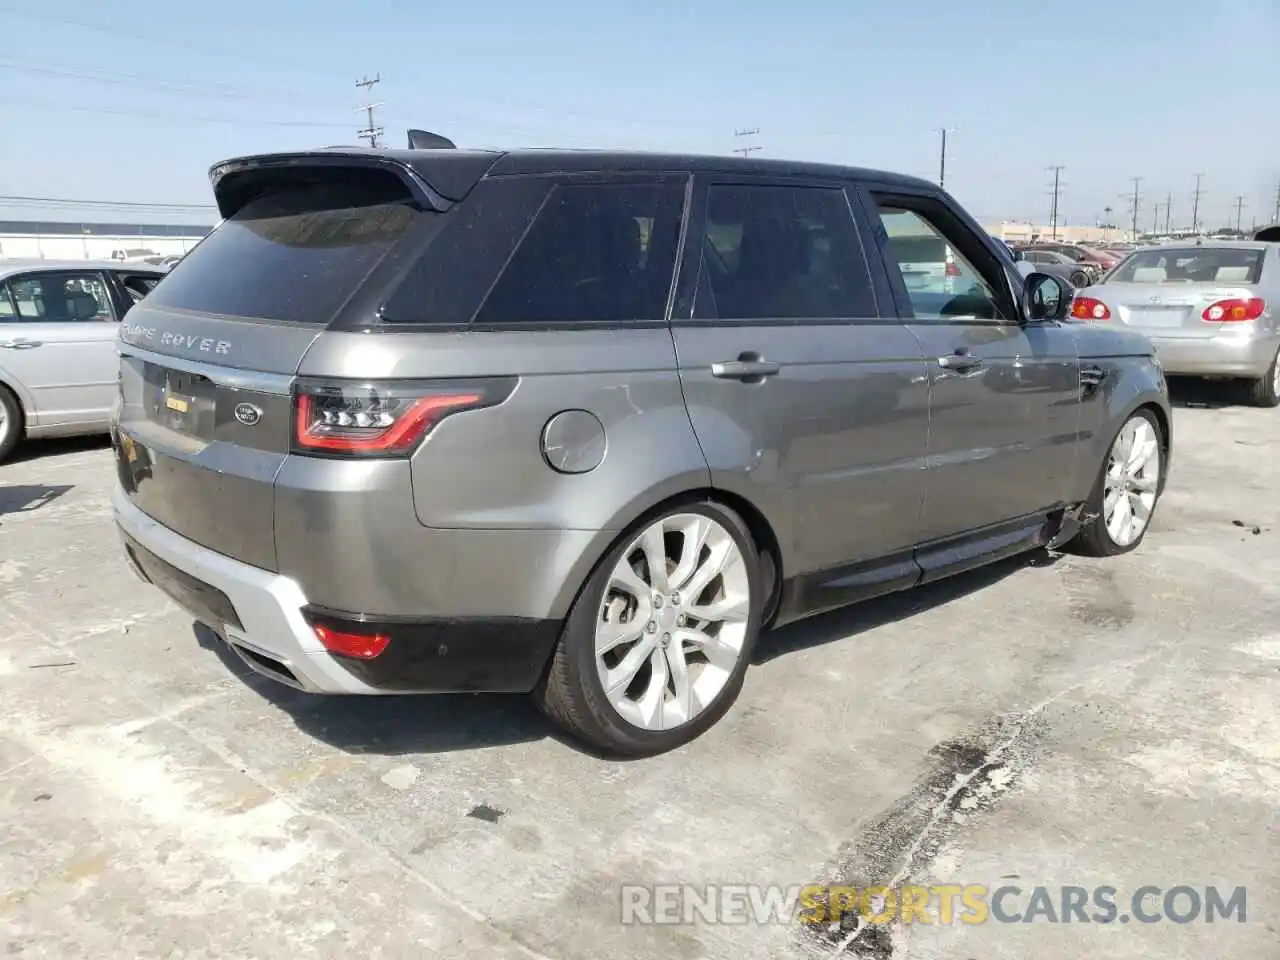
<point x="1129" y="382"/>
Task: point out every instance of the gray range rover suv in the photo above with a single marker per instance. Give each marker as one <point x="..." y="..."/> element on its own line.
<point x="583" y="424"/>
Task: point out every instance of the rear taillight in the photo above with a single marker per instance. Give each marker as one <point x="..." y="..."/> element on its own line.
<point x="359" y="646"/>
<point x="1087" y="308"/>
<point x="952" y="269"/>
<point x="1235" y="309"/>
<point x="337" y="418"/>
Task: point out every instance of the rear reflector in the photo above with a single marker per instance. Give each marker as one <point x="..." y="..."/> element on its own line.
<point x="1087" y="308"/>
<point x="359" y="646"/>
<point x="1235" y="310"/>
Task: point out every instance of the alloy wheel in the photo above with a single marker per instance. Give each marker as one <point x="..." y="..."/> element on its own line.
<point x="673" y="621"/>
<point x="1132" y="481"/>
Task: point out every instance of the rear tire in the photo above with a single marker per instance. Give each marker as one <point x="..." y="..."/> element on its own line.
<point x="638" y="630"/>
<point x="1129" y="484"/>
<point x="1079" y="279"/>
<point x="10" y="423"/>
<point x="1265" y="390"/>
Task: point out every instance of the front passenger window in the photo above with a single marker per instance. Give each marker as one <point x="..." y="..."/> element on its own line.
<point x="940" y="282"/>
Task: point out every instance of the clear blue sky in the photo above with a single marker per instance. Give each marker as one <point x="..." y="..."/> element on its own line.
<point x="1162" y="89"/>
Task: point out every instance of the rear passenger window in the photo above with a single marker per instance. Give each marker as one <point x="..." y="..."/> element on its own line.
<point x="788" y="253"/>
<point x="61" y="297"/>
<point x="595" y="253"/>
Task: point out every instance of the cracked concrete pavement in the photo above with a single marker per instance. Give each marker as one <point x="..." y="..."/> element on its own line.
<point x="157" y="802"/>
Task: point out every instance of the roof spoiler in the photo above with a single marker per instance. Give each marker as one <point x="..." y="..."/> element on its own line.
<point x="1269" y="234"/>
<point x="425" y="140"/>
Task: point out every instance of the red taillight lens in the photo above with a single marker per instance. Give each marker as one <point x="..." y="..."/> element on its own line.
<point x="381" y="419"/>
<point x="952" y="270"/>
<point x="1087" y="308"/>
<point x="360" y="646"/>
<point x="1235" y="310"/>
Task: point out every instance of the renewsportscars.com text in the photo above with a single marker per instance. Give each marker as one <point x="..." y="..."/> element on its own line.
<point x="934" y="904"/>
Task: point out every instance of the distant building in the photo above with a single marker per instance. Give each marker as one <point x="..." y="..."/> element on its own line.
<point x="50" y="240"/>
<point x="1022" y="231"/>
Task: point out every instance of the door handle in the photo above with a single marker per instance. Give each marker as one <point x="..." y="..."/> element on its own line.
<point x="960" y="362"/>
<point x="1092" y="376"/>
<point x="749" y="368"/>
<point x="21" y="344"/>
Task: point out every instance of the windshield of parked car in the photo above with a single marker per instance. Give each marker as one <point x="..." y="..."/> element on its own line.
<point x="1191" y="265"/>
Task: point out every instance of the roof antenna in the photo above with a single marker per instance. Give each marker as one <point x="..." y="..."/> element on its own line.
<point x="424" y="140"/>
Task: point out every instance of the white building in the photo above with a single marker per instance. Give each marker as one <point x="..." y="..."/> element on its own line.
<point x="30" y="239"/>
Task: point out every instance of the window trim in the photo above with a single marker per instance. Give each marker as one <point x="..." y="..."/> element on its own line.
<point x="556" y="182"/>
<point x="971" y="245"/>
<point x="692" y="271"/>
<point x="101" y="277"/>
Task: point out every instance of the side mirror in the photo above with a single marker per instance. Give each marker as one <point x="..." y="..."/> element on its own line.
<point x="1017" y="254"/>
<point x="1045" y="297"/>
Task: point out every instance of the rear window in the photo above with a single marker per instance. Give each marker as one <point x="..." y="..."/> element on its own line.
<point x="294" y="255"/>
<point x="1190" y="265"/>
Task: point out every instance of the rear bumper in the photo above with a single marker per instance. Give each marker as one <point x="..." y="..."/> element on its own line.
<point x="267" y="621"/>
<point x="1216" y="356"/>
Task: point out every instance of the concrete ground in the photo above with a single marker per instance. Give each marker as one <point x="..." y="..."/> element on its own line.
<point x="1112" y="723"/>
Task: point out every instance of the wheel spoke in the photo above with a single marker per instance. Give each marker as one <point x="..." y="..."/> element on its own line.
<point x="1142" y="484"/>
<point x="655" y="695"/>
<point x="1110" y="500"/>
<point x="718" y="556"/>
<point x="617" y="679"/>
<point x="733" y="608"/>
<point x="653" y="543"/>
<point x="629" y="582"/>
<point x="719" y="653"/>
<point x="683" y="705"/>
<point x="695" y="537"/>
<point x="1119" y="521"/>
<point x="610" y="634"/>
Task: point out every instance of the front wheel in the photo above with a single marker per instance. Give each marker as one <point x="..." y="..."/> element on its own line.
<point x="656" y="646"/>
<point x="1265" y="390"/>
<point x="1124" y="497"/>
<point x="10" y="423"/>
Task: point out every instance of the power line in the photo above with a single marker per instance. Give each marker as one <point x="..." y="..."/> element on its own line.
<point x="16" y="200"/>
<point x="178" y="117"/>
<point x="1195" y="205"/>
<point x="1053" y="208"/>
<point x="372" y="131"/>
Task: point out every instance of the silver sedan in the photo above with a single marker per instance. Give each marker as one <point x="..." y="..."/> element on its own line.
<point x="1212" y="309"/>
<point x="58" y="359"/>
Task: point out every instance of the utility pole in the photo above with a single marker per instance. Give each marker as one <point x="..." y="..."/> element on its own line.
<point x="1239" y="210"/>
<point x="942" y="159"/>
<point x="1276" y="217"/>
<point x="1195" y="205"/>
<point x="1168" y="206"/>
<point x="1053" y="208"/>
<point x="1136" y="181"/>
<point x="1155" y="216"/>
<point x="372" y="132"/>
<point x="750" y="148"/>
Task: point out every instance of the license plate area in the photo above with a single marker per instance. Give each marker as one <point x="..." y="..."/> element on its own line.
<point x="183" y="402"/>
<point x="1158" y="317"/>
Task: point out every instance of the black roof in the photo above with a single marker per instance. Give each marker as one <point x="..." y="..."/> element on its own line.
<point x="452" y="173"/>
<point x="77" y="228"/>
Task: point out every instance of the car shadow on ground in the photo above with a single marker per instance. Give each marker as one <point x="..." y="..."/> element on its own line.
<point x="860" y="617"/>
<point x="1189" y="393"/>
<point x="26" y="497"/>
<point x="37" y="449"/>
<point x="403" y="725"/>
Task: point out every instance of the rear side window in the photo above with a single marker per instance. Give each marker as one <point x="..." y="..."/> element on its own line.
<point x="1191" y="265"/>
<point x="774" y="252"/>
<point x="597" y="252"/>
<point x="294" y="255"/>
<point x="59" y="298"/>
